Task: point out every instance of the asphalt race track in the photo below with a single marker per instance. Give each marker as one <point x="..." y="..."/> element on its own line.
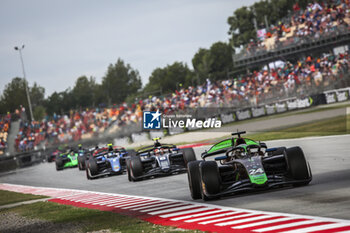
<point x="328" y="195"/>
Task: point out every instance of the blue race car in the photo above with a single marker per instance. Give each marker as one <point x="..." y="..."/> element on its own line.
<point x="106" y="161"/>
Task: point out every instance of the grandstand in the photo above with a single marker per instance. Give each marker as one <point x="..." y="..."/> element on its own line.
<point x="5" y="123"/>
<point x="318" y="28"/>
<point x="307" y="43"/>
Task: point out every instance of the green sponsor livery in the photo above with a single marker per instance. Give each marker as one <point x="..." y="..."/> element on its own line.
<point x="226" y="144"/>
<point x="67" y="159"/>
<point x="73" y="160"/>
<point x="258" y="179"/>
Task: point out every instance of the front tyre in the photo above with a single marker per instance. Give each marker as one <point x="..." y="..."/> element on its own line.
<point x="298" y="167"/>
<point x="136" y="168"/>
<point x="128" y="169"/>
<point x="194" y="182"/>
<point x="92" y="166"/>
<point x="59" y="164"/>
<point x="210" y="179"/>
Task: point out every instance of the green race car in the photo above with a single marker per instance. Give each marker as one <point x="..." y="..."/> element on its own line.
<point x="66" y="159"/>
<point x="241" y="164"/>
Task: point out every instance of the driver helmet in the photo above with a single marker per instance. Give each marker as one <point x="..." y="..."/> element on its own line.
<point x="241" y="153"/>
<point x="110" y="147"/>
<point x="159" y="151"/>
<point x="71" y="150"/>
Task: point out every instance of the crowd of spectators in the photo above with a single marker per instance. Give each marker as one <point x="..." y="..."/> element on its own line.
<point x="5" y="123"/>
<point x="300" y="78"/>
<point x="287" y="79"/>
<point x="63" y="128"/>
<point x="316" y="20"/>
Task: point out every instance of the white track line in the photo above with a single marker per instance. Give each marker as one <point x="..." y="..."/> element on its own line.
<point x="294" y="224"/>
<point x="318" y="228"/>
<point x="72" y="197"/>
<point x="243" y="220"/>
<point x="131" y="204"/>
<point x="185" y="212"/>
<point x="86" y="200"/>
<point x="104" y="201"/>
<point x="172" y="209"/>
<point x="142" y="204"/>
<point x="124" y="201"/>
<point x="92" y="200"/>
<point x="228" y="218"/>
<point x="197" y="215"/>
<point x="80" y="199"/>
<point x="282" y="219"/>
<point x="162" y="207"/>
<point x="101" y="199"/>
<point x="112" y="201"/>
<point x="76" y="197"/>
<point x="162" y="203"/>
<point x="212" y="216"/>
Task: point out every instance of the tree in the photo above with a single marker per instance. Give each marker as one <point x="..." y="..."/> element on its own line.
<point x="61" y="102"/>
<point x="241" y="27"/>
<point x="213" y="63"/>
<point x="54" y="103"/>
<point x="39" y="113"/>
<point x="221" y="56"/>
<point x="120" y="80"/>
<point x="37" y="95"/>
<point x="169" y="78"/>
<point x="14" y="95"/>
<point x="241" y="23"/>
<point x="202" y="63"/>
<point x="84" y="91"/>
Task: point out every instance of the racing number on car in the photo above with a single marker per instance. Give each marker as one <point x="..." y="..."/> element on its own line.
<point x="256" y="171"/>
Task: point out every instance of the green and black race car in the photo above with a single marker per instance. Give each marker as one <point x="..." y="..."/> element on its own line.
<point x="66" y="159"/>
<point x="241" y="164"/>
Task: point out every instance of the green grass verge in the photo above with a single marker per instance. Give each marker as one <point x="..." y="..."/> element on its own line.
<point x="7" y="197"/>
<point x="332" y="126"/>
<point x="324" y="108"/>
<point x="320" y="108"/>
<point x="89" y="219"/>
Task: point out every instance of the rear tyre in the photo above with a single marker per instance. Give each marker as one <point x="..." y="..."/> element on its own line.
<point x="194" y="181"/>
<point x="210" y="179"/>
<point x="128" y="169"/>
<point x="136" y="169"/>
<point x="59" y="163"/>
<point x="298" y="167"/>
<point x="81" y="162"/>
<point x="189" y="155"/>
